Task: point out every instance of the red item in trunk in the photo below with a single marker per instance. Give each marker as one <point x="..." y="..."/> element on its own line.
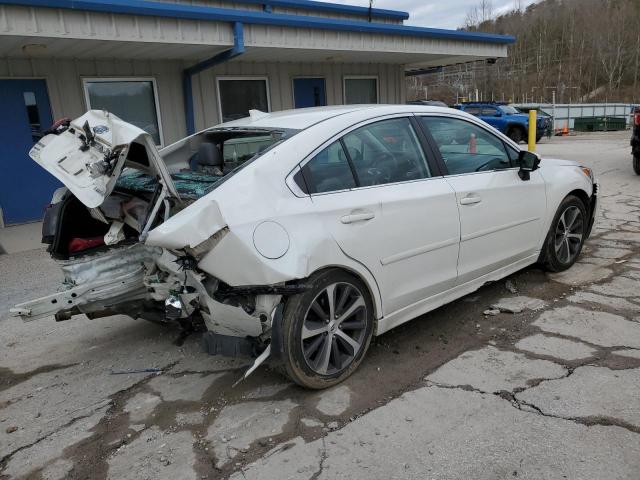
<point x="79" y="244"/>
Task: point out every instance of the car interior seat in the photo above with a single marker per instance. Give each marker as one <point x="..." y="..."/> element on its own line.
<point x="209" y="159"/>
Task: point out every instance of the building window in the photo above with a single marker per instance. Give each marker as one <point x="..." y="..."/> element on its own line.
<point x="238" y="95"/>
<point x="359" y="90"/>
<point x="134" y="100"/>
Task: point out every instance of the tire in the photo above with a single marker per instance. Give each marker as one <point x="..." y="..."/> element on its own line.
<point x="560" y="251"/>
<point x="636" y="164"/>
<point x="516" y="134"/>
<point x="538" y="138"/>
<point x="326" y="358"/>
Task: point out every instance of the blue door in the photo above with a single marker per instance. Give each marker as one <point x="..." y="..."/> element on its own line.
<point x="25" y="187"/>
<point x="309" y="92"/>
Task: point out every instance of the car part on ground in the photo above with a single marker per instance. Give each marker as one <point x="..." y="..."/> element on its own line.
<point x="314" y="234"/>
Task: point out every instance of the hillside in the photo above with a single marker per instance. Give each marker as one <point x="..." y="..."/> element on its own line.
<point x="584" y="50"/>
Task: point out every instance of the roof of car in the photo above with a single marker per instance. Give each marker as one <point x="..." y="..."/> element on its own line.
<point x="302" y="118"/>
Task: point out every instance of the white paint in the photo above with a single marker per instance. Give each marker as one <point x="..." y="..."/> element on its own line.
<point x="271" y="240"/>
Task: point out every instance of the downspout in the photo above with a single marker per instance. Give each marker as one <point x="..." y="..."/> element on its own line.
<point x="188" y="73"/>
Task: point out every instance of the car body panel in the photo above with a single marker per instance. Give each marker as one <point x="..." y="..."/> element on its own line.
<point x="505" y="223"/>
<point x="84" y="166"/>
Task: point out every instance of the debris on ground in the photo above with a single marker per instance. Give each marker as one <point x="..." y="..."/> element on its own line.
<point x="511" y="286"/>
<point x="492" y="311"/>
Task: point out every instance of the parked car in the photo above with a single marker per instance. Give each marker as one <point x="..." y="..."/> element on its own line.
<point x="430" y="103"/>
<point x="505" y="118"/>
<point x="635" y="140"/>
<point x="548" y="119"/>
<point x="345" y="222"/>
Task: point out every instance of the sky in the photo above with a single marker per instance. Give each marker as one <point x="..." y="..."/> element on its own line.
<point x="434" y="13"/>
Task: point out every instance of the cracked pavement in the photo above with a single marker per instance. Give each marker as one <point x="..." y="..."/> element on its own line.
<point x="550" y="391"/>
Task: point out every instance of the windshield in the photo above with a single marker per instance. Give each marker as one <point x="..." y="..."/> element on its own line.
<point x="509" y="110"/>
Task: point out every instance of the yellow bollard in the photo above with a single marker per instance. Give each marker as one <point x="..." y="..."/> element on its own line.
<point x="533" y="116"/>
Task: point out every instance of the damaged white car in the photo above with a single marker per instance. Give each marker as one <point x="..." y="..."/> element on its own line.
<point x="299" y="235"/>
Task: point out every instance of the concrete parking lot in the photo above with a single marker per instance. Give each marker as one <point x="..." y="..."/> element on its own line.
<point x="550" y="391"/>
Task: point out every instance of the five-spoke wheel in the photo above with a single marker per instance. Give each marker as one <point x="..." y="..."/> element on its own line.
<point x="333" y="330"/>
<point x="566" y="236"/>
<point x="327" y="329"/>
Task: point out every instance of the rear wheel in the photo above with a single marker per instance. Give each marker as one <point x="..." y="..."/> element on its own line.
<point x="516" y="134"/>
<point x="327" y="329"/>
<point x="636" y="164"/>
<point x="566" y="236"/>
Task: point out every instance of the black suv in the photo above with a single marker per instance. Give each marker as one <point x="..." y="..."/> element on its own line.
<point x="635" y="140"/>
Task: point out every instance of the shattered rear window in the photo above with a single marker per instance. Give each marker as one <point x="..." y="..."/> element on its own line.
<point x="192" y="185"/>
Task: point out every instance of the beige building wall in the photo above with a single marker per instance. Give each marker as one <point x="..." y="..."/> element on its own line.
<point x="66" y="93"/>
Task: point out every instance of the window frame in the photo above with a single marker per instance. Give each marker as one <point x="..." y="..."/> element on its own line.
<point x="488" y="129"/>
<point x="429" y="154"/>
<point x="219" y="78"/>
<point x="156" y="97"/>
<point x="359" y="77"/>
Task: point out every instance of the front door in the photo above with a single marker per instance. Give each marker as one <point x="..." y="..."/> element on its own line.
<point x="309" y="92"/>
<point x="25" y="187"/>
<point x="501" y="216"/>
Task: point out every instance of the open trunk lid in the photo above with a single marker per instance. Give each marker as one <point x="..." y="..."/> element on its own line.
<point x="90" y="154"/>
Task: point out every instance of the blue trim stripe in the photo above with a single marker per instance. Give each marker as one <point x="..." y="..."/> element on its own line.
<point x="330" y="7"/>
<point x="189" y="12"/>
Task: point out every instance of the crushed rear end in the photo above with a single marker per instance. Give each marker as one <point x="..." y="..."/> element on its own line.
<point x="132" y="224"/>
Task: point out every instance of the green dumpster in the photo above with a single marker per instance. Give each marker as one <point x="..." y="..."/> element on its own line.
<point x="599" y="124"/>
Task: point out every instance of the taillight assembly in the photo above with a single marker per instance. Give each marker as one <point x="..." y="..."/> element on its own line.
<point x="636" y="118"/>
<point x="80" y="244"/>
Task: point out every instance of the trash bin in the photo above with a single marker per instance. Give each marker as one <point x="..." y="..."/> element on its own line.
<point x="599" y="124"/>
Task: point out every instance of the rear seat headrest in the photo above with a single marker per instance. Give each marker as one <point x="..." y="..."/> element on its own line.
<point x="209" y="155"/>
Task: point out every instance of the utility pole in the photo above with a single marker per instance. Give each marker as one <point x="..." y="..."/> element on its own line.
<point x="370" y="11"/>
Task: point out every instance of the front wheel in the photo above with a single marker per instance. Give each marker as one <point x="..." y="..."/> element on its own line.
<point x="636" y="164"/>
<point x="327" y="329"/>
<point x="566" y="236"/>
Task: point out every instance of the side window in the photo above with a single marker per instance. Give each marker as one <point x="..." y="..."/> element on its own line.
<point x="472" y="110"/>
<point x="465" y="147"/>
<point x="489" y="112"/>
<point x="328" y="171"/>
<point x="386" y="152"/>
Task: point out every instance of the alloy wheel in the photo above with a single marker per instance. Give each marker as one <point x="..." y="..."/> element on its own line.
<point x="568" y="235"/>
<point x="334" y="328"/>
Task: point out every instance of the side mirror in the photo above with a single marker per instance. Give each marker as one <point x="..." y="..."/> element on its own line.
<point x="528" y="162"/>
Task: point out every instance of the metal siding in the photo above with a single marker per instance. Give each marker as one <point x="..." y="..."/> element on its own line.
<point x="281" y="75"/>
<point x="64" y="83"/>
<point x="108" y="26"/>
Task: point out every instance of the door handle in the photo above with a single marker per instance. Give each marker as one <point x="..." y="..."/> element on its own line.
<point x="357" y="217"/>
<point x="470" y="200"/>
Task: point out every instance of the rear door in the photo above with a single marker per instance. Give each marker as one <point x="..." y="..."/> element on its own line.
<point x="501" y="216"/>
<point x="380" y="196"/>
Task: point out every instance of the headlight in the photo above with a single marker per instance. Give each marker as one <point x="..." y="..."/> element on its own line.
<point x="588" y="172"/>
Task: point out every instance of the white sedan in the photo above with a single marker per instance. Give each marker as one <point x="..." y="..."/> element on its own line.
<point x="299" y="235"/>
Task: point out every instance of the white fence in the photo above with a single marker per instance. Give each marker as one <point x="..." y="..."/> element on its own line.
<point x="565" y="113"/>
